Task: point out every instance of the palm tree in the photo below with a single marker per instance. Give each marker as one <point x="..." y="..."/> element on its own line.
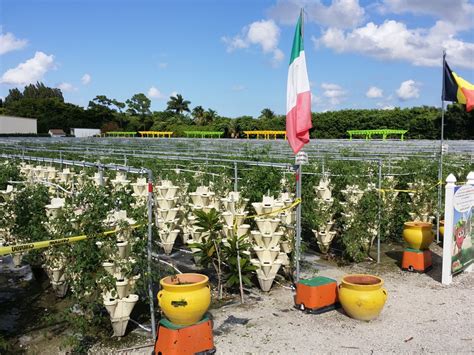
<point x="234" y="128"/>
<point x="267" y="114"/>
<point x="198" y="114"/>
<point x="178" y="104"/>
<point x="210" y="116"/>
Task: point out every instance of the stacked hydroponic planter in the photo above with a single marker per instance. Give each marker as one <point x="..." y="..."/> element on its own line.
<point x="166" y="214"/>
<point x="351" y="209"/>
<point x="234" y="215"/>
<point x="266" y="240"/>
<point x="202" y="199"/>
<point x="55" y="261"/>
<point x="120" y="300"/>
<point x="324" y="204"/>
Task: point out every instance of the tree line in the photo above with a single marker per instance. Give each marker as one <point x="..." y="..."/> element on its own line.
<point x="48" y="106"/>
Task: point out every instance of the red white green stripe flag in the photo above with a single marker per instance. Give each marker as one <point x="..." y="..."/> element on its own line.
<point x="298" y="94"/>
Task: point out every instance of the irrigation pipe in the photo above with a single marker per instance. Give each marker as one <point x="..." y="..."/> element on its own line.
<point x="140" y="325"/>
<point x="43" y="182"/>
<point x="167" y="263"/>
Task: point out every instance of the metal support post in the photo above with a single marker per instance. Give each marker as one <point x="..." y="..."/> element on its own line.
<point x="101" y="175"/>
<point x="379" y="205"/>
<point x="236" y="184"/>
<point x="149" y="253"/>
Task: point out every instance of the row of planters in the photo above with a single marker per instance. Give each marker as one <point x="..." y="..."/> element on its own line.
<point x="351" y="221"/>
<point x="340" y="208"/>
<point x="96" y="272"/>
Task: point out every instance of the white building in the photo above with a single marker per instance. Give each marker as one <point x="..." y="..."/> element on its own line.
<point x="18" y="125"/>
<point x="57" y="132"/>
<point x="85" y="132"/>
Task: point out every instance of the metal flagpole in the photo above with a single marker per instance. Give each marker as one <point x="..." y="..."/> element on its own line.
<point x="298" y="221"/>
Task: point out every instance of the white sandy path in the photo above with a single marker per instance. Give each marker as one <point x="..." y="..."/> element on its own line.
<point x="420" y="316"/>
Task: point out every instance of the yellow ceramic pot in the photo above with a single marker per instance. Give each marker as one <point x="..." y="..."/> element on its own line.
<point x="362" y="296"/>
<point x="184" y="298"/>
<point x="441" y="228"/>
<point x="418" y="235"/>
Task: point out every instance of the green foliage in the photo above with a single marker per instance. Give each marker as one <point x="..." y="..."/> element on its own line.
<point x="8" y="172"/>
<point x="267" y="114"/>
<point x="234" y="247"/>
<point x="48" y="106"/>
<point x="30" y="217"/>
<point x="210" y="249"/>
<point x="258" y="181"/>
<point x="357" y="239"/>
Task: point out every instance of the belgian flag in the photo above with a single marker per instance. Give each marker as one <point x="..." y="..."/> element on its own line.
<point x="457" y="89"/>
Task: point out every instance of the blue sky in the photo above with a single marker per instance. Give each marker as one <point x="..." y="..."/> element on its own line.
<point x="232" y="56"/>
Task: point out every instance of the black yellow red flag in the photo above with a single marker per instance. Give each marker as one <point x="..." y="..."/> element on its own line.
<point x="456" y="89"/>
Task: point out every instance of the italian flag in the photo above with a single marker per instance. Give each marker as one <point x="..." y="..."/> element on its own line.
<point x="298" y="95"/>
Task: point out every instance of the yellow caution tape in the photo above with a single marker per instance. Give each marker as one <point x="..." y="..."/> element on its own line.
<point x="293" y="205"/>
<point x="383" y="191"/>
<point x="18" y="248"/>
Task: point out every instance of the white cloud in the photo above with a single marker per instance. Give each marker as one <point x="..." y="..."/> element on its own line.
<point x="316" y="100"/>
<point x="408" y="89"/>
<point x="392" y="40"/>
<point x="8" y="43"/>
<point x="339" y="14"/>
<point x="388" y="107"/>
<point x="459" y="13"/>
<point x="30" y="71"/>
<point x="238" y="87"/>
<point x="154" y="93"/>
<point x="66" y="87"/>
<point x="264" y="33"/>
<point x="86" y="79"/>
<point x="374" y="92"/>
<point x="335" y="93"/>
<point x="163" y="65"/>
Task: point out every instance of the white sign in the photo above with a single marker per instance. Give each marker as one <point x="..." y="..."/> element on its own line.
<point x="464" y="198"/>
<point x="301" y="158"/>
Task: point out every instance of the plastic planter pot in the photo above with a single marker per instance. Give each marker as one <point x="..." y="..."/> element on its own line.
<point x="441" y="228"/>
<point x="418" y="235"/>
<point x="184" y="298"/>
<point x="362" y="296"/>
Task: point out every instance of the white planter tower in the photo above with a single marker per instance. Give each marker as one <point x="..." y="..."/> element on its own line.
<point x="120" y="180"/>
<point x="234" y="214"/>
<point x="325" y="234"/>
<point x="55" y="263"/>
<point x="266" y="241"/>
<point x="166" y="214"/>
<point x="121" y="301"/>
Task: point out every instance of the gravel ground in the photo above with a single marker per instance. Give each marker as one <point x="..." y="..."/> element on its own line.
<point x="420" y="316"/>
